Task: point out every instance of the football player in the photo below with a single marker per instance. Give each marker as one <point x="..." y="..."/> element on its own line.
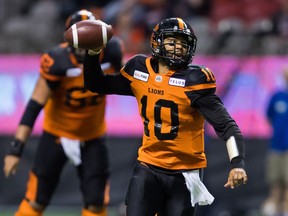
<point x="174" y="99"/>
<point x="74" y="128"/>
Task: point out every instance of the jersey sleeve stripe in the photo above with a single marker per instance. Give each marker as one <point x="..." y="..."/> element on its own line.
<point x="202" y="86"/>
<point x="209" y="74"/>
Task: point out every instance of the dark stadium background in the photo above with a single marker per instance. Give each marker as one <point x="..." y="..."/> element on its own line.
<point x="234" y="40"/>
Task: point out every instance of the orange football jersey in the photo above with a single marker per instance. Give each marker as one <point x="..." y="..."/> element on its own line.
<point x="173" y="107"/>
<point x="72" y="111"/>
<point x="173" y="130"/>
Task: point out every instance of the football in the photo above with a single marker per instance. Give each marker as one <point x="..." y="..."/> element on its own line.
<point x="88" y="34"/>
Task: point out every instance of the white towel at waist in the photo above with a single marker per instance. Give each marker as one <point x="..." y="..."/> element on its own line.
<point x="198" y="191"/>
<point x="72" y="150"/>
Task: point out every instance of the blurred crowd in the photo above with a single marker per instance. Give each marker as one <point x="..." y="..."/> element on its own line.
<point x="238" y="27"/>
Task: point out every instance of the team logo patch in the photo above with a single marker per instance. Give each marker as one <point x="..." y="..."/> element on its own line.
<point x="73" y="72"/>
<point x="177" y="82"/>
<point x="141" y="75"/>
<point x="158" y="78"/>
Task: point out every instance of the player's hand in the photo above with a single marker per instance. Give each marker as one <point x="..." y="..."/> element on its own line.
<point x="237" y="177"/>
<point x="10" y="165"/>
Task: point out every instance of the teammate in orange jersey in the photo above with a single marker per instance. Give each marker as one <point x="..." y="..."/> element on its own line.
<point x="174" y="98"/>
<point x="74" y="128"/>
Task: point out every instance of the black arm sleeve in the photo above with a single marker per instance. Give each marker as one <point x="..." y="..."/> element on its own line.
<point x="114" y="54"/>
<point x="96" y="81"/>
<point x="32" y="110"/>
<point x="212" y="109"/>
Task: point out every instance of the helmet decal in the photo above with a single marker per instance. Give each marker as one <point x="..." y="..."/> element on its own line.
<point x="180" y="23"/>
<point x="79" y="16"/>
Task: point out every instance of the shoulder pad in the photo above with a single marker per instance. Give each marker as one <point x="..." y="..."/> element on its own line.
<point x="198" y="74"/>
<point x="55" y="62"/>
<point x="197" y="77"/>
<point x="137" y="62"/>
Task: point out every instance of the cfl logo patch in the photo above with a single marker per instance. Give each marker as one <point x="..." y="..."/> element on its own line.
<point x="158" y="78"/>
<point x="141" y="75"/>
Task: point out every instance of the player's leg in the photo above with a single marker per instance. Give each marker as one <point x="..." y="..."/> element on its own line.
<point x="178" y="198"/>
<point x="25" y="209"/>
<point x="145" y="195"/>
<point x="44" y="176"/>
<point x="94" y="175"/>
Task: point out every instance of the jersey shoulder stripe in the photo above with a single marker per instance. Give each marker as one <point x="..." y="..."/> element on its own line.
<point x="136" y="63"/>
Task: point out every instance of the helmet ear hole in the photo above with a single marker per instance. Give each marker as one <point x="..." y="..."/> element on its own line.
<point x="173" y="27"/>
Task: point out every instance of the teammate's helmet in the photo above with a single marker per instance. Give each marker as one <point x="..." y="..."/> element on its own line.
<point x="79" y="16"/>
<point x="173" y="27"/>
<point x="72" y="19"/>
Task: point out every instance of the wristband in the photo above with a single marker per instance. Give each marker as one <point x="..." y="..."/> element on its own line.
<point x="94" y="52"/>
<point x="16" y="148"/>
<point x="232" y="148"/>
<point x="238" y="162"/>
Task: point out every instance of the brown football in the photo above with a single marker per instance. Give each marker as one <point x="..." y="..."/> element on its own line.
<point x="88" y="34"/>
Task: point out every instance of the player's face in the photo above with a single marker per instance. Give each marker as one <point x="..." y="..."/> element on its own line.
<point x="176" y="47"/>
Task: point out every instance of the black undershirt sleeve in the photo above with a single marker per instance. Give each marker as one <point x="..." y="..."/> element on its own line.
<point x="96" y="81"/>
<point x="212" y="109"/>
<point x="114" y="54"/>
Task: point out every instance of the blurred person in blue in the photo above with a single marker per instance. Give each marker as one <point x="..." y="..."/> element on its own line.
<point x="277" y="173"/>
<point x="74" y="128"/>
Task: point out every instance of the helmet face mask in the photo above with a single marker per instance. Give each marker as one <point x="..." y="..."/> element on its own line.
<point x="185" y="40"/>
